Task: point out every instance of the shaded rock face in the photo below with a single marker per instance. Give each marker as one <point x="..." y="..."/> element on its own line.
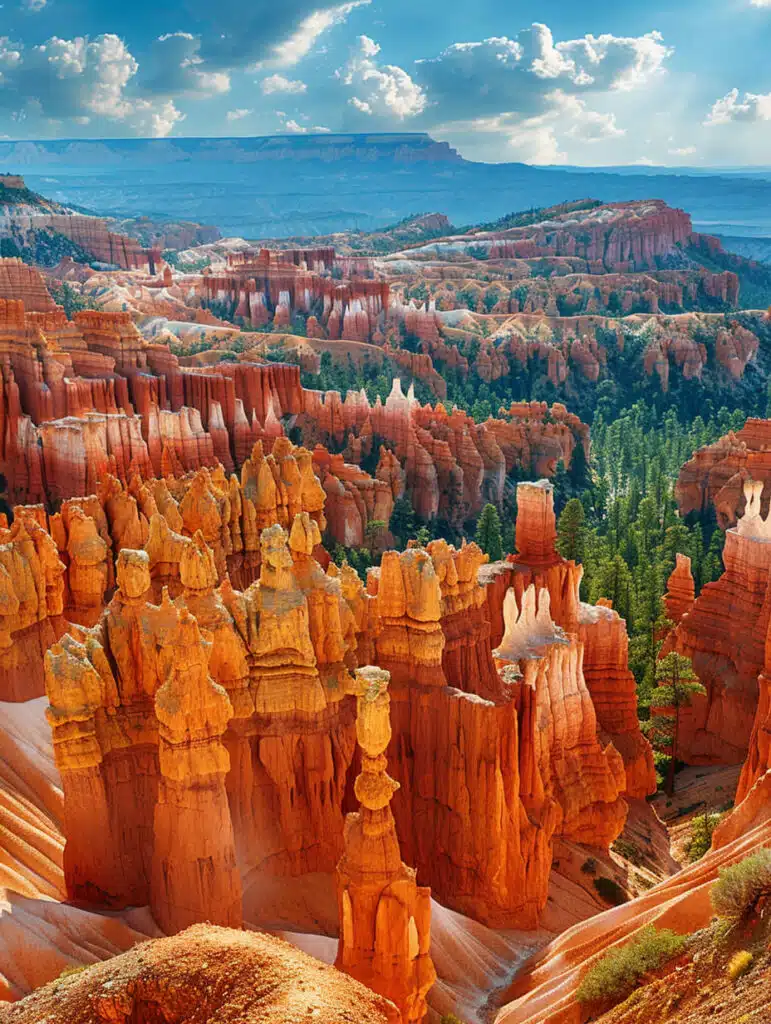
<point x="724" y="635"/>
<point x="212" y="973"/>
<point x="599" y="629"/>
<point x="717" y="473"/>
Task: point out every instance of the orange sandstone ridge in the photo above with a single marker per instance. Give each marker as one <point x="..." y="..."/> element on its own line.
<point x="214" y="974"/>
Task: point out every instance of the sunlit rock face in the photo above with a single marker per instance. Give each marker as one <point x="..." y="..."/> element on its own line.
<point x="385" y="918"/>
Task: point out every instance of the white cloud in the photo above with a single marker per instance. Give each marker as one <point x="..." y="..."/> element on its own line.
<point x="383" y="90"/>
<point x="35" y="5"/>
<point x="239" y="114"/>
<point x="682" y="151"/>
<point x="79" y="80"/>
<point x="587" y="125"/>
<point x="300" y="43"/>
<point x="750" y="107"/>
<point x="279" y="83"/>
<point x="760" y="3"/>
<point x="536" y="140"/>
<point x="475" y="79"/>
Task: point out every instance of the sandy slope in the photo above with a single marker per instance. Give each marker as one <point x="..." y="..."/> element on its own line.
<point x="547" y="994"/>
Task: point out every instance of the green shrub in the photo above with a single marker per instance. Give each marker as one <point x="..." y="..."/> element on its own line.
<point x="739" y="964"/>
<point x="629" y="851"/>
<point x="450" y="1018"/>
<point x="615" y="976"/>
<point x="740" y="886"/>
<point x="701" y="836"/>
<point x="610" y="891"/>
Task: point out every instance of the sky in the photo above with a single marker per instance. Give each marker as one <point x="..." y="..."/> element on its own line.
<point x="598" y="82"/>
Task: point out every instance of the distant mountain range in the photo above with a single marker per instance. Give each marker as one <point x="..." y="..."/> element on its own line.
<point x="318" y="184"/>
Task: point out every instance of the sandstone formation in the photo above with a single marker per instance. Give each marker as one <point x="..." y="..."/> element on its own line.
<point x="32" y="589"/>
<point x="264" y="286"/>
<point x="385" y="919"/>
<point x="282" y="649"/>
<point x="215" y="974"/>
<point x="717" y="473"/>
<point x="681" y="591"/>
<point x="89" y="397"/>
<point x="599" y="629"/>
<point x="151" y="842"/>
<point x="724" y="635"/>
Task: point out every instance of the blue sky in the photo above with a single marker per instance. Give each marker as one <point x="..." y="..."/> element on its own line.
<point x="687" y="82"/>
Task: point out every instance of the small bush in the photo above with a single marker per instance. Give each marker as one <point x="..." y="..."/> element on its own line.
<point x="701" y="836"/>
<point x="629" y="851"/>
<point x="740" y="886"/>
<point x="610" y="891"/>
<point x="589" y="866"/>
<point x="615" y="976"/>
<point x="450" y="1018"/>
<point x="739" y="964"/>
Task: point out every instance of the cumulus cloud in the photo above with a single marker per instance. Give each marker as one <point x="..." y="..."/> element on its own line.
<point x="175" y="67"/>
<point x="750" y="107"/>
<point x="760" y="3"/>
<point x="381" y="90"/>
<point x="279" y="83"/>
<point x="682" y="151"/>
<point x="239" y="114"/>
<point x="81" y="81"/>
<point x="34" y="5"/>
<point x="518" y="75"/>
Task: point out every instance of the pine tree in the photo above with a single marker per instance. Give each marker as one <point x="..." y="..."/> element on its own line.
<point x="373" y="531"/>
<point x="571" y="531"/>
<point x="677" y="684"/>
<point x="578" y="474"/>
<point x="614" y="581"/>
<point x="489" y="533"/>
<point x="402" y="522"/>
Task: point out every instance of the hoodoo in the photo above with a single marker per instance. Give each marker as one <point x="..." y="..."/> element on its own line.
<point x="385" y="918"/>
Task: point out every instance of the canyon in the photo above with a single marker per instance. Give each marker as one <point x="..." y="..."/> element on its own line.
<point x="266" y="711"/>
